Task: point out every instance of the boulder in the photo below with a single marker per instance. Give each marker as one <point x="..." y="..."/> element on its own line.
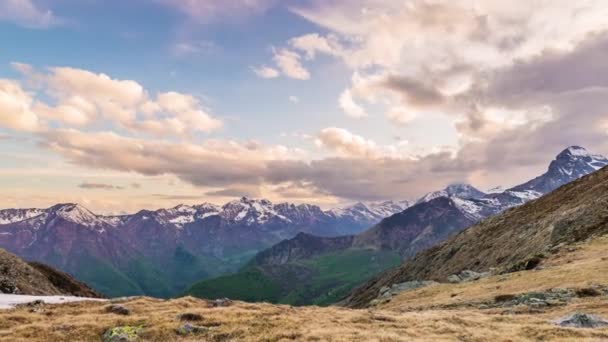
<point x="387" y="292"/>
<point x="122" y="334"/>
<point x="187" y="329"/>
<point x="221" y="302"/>
<point x="118" y="309"/>
<point x="582" y="320"/>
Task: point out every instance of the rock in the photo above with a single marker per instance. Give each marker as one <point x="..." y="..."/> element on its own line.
<point x="221" y="302"/>
<point x="582" y="320"/>
<point x="188" y="329"/>
<point x="118" y="309"/>
<point x="8" y="286"/>
<point x="122" y="334"/>
<point x="390" y="291"/>
<point x="466" y="276"/>
<point x="454" y="279"/>
<point x="188" y="316"/>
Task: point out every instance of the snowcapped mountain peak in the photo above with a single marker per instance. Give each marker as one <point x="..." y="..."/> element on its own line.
<point x="569" y="165"/>
<point x="460" y="190"/>
<point x="250" y="211"/>
<point x="370" y="211"/>
<point x="76" y="213"/>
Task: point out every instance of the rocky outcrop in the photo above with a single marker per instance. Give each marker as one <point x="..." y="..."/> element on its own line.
<point x="582" y="320"/>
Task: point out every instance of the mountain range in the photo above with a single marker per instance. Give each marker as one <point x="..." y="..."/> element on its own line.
<point x="516" y="240"/>
<point x="434" y="218"/>
<point x="162" y="252"/>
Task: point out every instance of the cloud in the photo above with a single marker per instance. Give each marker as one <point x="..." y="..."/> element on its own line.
<point x="99" y="186"/>
<point x="349" y="106"/>
<point x="401" y="115"/>
<point x="294" y="99"/>
<point x="16" y="108"/>
<point x="413" y="91"/>
<point x="26" y="13"/>
<point x="290" y="64"/>
<point x="346" y="143"/>
<point x="83" y="98"/>
<point x="359" y="163"/>
<point x="207" y="10"/>
<point x="313" y="43"/>
<point x="265" y="72"/>
<point x="192" y="47"/>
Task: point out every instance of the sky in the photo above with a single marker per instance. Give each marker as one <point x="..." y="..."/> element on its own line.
<point x="124" y="105"/>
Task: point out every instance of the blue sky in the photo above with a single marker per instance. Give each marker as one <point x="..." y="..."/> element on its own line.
<point x="361" y="100"/>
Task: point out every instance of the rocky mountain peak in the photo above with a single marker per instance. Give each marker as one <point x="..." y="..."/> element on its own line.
<point x="572" y="163"/>
<point x="75" y="213"/>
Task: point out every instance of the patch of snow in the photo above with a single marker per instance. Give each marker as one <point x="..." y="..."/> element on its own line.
<point x="9" y="301"/>
<point x="470" y="208"/>
<point x="578" y="151"/>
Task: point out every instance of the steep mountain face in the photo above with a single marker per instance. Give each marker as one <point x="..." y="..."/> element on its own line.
<point x="302" y="246"/>
<point x="417" y="228"/>
<point x="161" y="252"/>
<point x="575" y="212"/>
<point x="19" y="277"/>
<point x="435" y="218"/>
<point x="571" y="164"/>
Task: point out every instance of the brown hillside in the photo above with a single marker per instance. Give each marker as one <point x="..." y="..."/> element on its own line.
<point x="19" y="277"/>
<point x="572" y="213"/>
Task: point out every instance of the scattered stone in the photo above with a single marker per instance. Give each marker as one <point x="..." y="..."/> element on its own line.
<point x="221" y="302"/>
<point x="118" y="309"/>
<point x="187" y="329"/>
<point x="122" y="334"/>
<point x="467" y="276"/>
<point x="454" y="279"/>
<point x="8" y="286"/>
<point x="188" y="316"/>
<point x="387" y="292"/>
<point x="582" y="320"/>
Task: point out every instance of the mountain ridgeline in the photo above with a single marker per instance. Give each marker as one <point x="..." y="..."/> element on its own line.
<point x="433" y="219"/>
<point x="510" y="241"/>
<point x="160" y="253"/>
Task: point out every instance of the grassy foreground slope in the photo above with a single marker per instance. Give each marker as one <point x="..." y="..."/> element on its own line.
<point x="321" y="280"/>
<point x="442" y="312"/>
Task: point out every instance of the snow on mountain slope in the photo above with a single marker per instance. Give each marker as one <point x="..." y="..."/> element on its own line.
<point x="8" y="216"/>
<point x="370" y="211"/>
<point x="184" y="214"/>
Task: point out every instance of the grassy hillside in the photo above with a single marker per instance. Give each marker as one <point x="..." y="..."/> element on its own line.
<point x="321" y="280"/>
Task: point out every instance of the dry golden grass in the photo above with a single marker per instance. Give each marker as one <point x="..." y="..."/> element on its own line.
<point x="264" y="322"/>
<point x="584" y="265"/>
<point x="407" y="317"/>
